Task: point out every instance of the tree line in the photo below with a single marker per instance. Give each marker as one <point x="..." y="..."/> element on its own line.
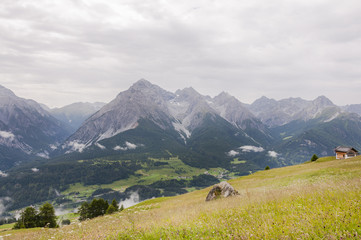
<point x="96" y="208"/>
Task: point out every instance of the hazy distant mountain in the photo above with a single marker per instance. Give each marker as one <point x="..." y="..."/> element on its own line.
<point x="307" y="127"/>
<point x="277" y="113"/>
<point x="26" y="129"/>
<point x="353" y="108"/>
<point x="300" y="139"/>
<point x="75" y="114"/>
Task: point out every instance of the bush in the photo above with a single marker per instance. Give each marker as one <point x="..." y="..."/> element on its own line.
<point x="314" y="158"/>
<point x="267" y="168"/>
<point x="65" y="222"/>
<point x="111" y="209"/>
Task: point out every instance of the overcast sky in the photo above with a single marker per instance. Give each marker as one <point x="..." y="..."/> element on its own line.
<point x="60" y="52"/>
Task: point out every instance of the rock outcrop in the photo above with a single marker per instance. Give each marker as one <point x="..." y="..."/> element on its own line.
<point x="223" y="189"/>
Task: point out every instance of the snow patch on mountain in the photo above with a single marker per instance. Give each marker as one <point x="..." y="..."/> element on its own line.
<point x="332" y="117"/>
<point x="100" y="146"/>
<point x="179" y="127"/>
<point x="113" y="132"/>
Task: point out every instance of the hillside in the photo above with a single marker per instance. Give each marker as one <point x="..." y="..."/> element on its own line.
<point x="308" y="201"/>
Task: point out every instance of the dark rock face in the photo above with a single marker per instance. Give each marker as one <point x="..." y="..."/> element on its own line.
<point x="223" y="189"/>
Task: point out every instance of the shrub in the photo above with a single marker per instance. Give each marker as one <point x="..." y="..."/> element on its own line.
<point x="314" y="158"/>
<point x="267" y="168"/>
<point x="111" y="209"/>
<point x="65" y="222"/>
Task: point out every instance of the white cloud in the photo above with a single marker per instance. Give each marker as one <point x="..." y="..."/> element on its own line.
<point x="35" y="170"/>
<point x="4" y="201"/>
<point x="249" y="148"/>
<point x="53" y="147"/>
<point x="131" y="201"/>
<point x="43" y="155"/>
<point x="116" y="148"/>
<point x="7" y="135"/>
<point x="2" y="174"/>
<point x="128" y="146"/>
<point x="272" y="154"/>
<point x="232" y="153"/>
<point x="76" y="146"/>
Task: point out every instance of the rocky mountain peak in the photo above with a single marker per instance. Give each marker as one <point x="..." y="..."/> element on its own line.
<point x="145" y="88"/>
<point x="323" y="101"/>
<point x="224" y="97"/>
<point x="187" y="93"/>
<point x="6" y="96"/>
<point x="142" y="84"/>
<point x="263" y="101"/>
<point x="5" y="92"/>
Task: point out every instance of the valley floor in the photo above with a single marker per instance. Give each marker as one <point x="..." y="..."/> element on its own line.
<point x="318" y="200"/>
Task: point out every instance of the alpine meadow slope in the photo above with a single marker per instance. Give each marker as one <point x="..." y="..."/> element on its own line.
<point x="315" y="200"/>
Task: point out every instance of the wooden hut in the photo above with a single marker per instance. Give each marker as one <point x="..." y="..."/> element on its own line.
<point x="345" y="152"/>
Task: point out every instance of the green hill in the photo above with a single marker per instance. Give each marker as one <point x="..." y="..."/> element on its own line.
<point x="318" y="200"/>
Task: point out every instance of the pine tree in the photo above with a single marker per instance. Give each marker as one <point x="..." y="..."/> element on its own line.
<point x="28" y="219"/>
<point x="111" y="209"/>
<point x="47" y="216"/>
<point x="115" y="204"/>
<point x="314" y="158"/>
<point x="98" y="207"/>
<point x="83" y="211"/>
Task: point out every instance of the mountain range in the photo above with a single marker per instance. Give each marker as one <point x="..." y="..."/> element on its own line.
<point x="189" y="118"/>
<point x="147" y="122"/>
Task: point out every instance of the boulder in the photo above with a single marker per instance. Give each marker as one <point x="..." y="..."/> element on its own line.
<point x="223" y="189"/>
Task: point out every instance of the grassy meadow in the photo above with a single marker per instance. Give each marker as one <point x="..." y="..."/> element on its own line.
<point x="316" y="200"/>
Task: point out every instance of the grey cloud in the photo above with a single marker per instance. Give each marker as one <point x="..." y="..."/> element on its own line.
<point x="248" y="48"/>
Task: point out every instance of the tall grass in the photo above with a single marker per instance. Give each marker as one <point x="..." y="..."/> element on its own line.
<point x="319" y="200"/>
